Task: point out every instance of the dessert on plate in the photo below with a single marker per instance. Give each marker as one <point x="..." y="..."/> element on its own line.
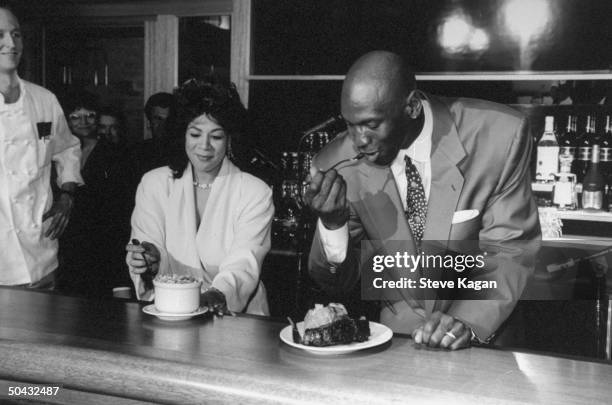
<point x="331" y="325"/>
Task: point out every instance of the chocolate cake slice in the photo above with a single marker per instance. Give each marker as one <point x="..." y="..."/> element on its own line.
<point x="331" y="325"/>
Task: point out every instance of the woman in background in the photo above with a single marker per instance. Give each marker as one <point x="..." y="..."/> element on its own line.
<point x="201" y="215"/>
<point x="90" y="258"/>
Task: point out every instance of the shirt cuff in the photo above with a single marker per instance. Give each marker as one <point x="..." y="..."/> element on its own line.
<point x="335" y="242"/>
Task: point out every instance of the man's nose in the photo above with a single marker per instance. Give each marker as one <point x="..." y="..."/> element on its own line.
<point x="360" y="136"/>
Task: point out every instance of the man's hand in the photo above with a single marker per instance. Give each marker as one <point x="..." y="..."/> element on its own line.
<point x="444" y="331"/>
<point x="60" y="212"/>
<point x="326" y="196"/>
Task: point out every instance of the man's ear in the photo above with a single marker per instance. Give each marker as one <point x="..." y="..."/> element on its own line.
<point x="413" y="106"/>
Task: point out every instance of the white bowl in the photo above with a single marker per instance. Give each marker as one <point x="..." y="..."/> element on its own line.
<point x="177" y="298"/>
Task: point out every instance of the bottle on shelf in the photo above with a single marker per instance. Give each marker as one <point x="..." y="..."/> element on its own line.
<point x="605" y="155"/>
<point x="548" y="153"/>
<point x="286" y="220"/>
<point x="593" y="184"/>
<point x="585" y="148"/>
<point x="568" y="139"/>
<point x="608" y="198"/>
<point x="564" y="191"/>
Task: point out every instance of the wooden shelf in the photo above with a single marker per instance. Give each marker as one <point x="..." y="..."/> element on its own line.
<point x="571" y="241"/>
<point x="581" y="215"/>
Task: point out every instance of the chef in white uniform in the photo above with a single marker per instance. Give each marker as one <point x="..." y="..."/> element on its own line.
<point x="33" y="134"/>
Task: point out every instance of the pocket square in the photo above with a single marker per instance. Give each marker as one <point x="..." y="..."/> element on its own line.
<point x="465" y="215"/>
<point x="44" y="129"/>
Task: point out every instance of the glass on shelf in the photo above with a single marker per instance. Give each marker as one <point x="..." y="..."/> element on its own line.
<point x="564" y="192"/>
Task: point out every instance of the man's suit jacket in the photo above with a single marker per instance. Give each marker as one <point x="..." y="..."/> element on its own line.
<point x="480" y="161"/>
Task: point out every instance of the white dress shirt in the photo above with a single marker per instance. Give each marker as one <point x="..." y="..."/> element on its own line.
<point x="25" y="188"/>
<point x="335" y="242"/>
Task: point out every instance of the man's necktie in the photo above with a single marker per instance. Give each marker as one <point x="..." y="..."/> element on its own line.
<point x="416" y="207"/>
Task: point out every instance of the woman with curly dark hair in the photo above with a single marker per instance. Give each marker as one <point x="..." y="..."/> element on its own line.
<point x="202" y="216"/>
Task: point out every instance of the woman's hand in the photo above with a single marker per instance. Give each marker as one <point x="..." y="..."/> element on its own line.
<point x="215" y="301"/>
<point x="142" y="257"/>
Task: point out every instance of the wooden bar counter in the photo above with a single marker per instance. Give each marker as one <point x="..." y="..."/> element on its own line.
<point x="111" y="352"/>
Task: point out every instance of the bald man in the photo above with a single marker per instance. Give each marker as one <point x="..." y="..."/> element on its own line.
<point x="433" y="169"/>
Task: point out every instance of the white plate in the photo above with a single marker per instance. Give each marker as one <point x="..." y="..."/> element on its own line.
<point x="379" y="334"/>
<point x="151" y="310"/>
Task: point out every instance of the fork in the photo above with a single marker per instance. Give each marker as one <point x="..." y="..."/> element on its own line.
<point x="358" y="156"/>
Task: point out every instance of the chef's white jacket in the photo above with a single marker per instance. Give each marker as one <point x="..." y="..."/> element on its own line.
<point x="33" y="134"/>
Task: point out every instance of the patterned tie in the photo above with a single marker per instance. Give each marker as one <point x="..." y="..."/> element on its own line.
<point x="416" y="207"/>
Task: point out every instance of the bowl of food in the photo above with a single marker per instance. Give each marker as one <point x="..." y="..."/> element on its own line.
<point x="176" y="294"/>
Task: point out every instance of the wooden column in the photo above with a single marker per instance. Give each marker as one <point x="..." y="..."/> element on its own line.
<point x="161" y="57"/>
<point x="161" y="54"/>
<point x="241" y="47"/>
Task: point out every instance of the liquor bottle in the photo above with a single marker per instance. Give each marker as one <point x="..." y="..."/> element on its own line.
<point x="286" y="219"/>
<point x="606" y="150"/>
<point x="295" y="166"/>
<point x="548" y="153"/>
<point x="564" y="192"/>
<point x="585" y="147"/>
<point x="567" y="141"/>
<point x="593" y="184"/>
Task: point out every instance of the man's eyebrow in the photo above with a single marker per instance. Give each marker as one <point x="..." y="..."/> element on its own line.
<point x="367" y="121"/>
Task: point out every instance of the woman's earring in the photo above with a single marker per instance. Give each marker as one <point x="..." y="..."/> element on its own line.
<point x="229" y="152"/>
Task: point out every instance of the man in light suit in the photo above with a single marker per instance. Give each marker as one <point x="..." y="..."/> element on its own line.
<point x="472" y="157"/>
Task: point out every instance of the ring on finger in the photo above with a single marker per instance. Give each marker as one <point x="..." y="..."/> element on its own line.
<point x="450" y="335"/>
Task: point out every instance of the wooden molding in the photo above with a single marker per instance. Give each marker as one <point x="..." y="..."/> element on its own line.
<point x="240" y="68"/>
<point x="140" y="8"/>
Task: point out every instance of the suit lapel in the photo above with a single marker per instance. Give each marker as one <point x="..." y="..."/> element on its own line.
<point x="181" y="221"/>
<point x="385" y="212"/>
<point x="446" y="178"/>
<point x="384" y="206"/>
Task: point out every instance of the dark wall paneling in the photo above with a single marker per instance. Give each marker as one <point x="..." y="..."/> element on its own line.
<point x="295" y="37"/>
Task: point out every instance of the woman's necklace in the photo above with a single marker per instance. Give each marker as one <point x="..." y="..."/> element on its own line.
<point x="203" y="186"/>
